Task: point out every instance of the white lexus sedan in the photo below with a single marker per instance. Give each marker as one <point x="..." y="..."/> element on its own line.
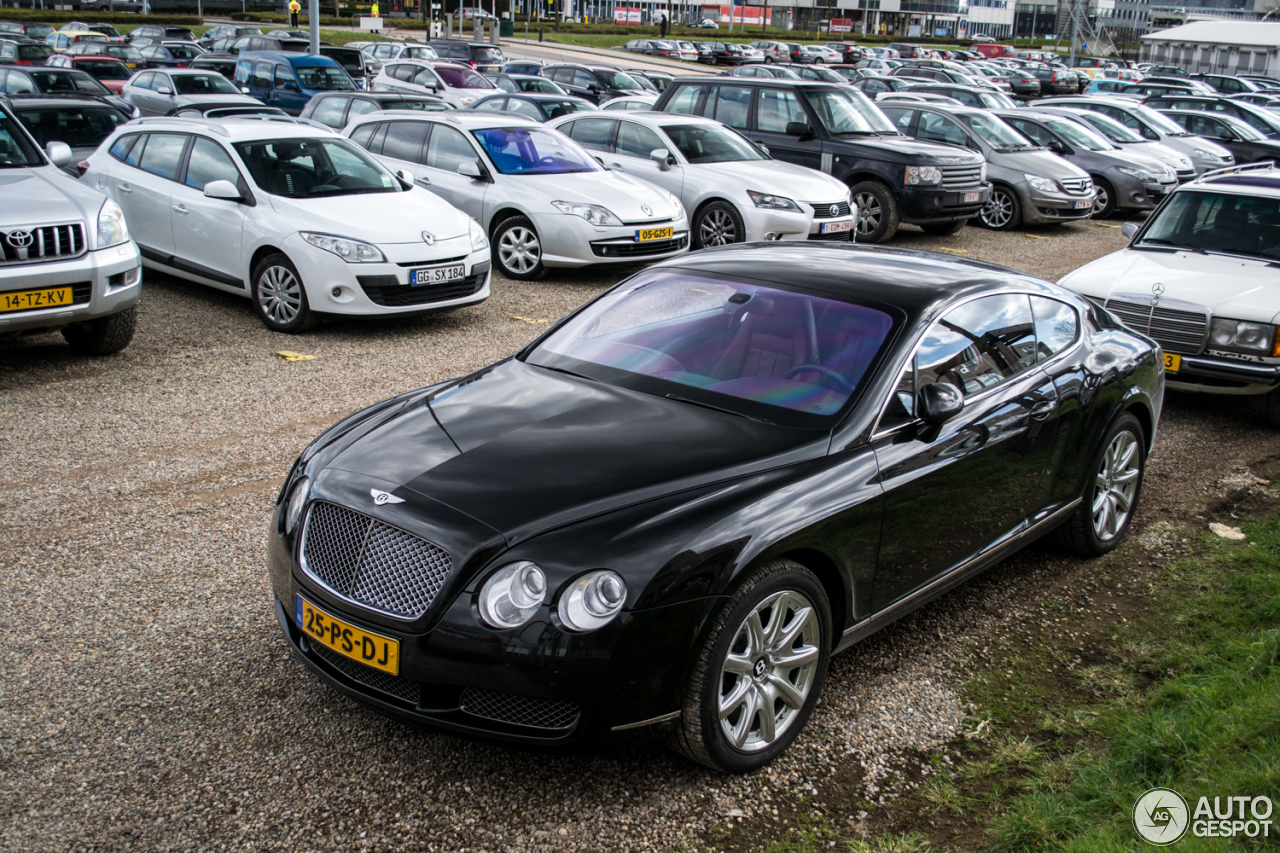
<point x="731" y="189"/>
<point x="542" y="199"/>
<point x="297" y="218"/>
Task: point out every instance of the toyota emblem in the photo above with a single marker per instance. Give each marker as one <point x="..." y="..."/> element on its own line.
<point x="19" y="239"/>
<point x="1157" y="289"/>
<point x="835" y="210"/>
<point x="648" y="211"/>
<point x="428" y="238"/>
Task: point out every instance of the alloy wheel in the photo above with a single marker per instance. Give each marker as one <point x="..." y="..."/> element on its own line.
<point x="280" y="295"/>
<point x="717" y="228"/>
<point x="998" y="211"/>
<point x="519" y="249"/>
<point x="869" y="212"/>
<point x="1115" y="485"/>
<point x="1101" y="200"/>
<point x="770" y="668"/>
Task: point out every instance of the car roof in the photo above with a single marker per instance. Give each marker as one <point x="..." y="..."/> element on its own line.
<point x="36" y="102"/>
<point x="585" y="67"/>
<point x="302" y="60"/>
<point x="234" y="129"/>
<point x="536" y="96"/>
<point x="773" y="82"/>
<point x="462" y="119"/>
<point x="1241" y="180"/>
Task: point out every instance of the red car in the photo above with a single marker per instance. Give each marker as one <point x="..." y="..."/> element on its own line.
<point x="110" y="72"/>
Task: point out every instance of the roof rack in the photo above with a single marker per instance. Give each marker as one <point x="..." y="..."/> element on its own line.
<point x="182" y="120"/>
<point x="1263" y="166"/>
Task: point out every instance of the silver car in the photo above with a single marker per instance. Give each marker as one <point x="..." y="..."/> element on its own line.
<point x="1129" y="140"/>
<point x="543" y="199"/>
<point x="162" y="93"/>
<point x="732" y="190"/>
<point x="457" y="85"/>
<point x="1028" y="184"/>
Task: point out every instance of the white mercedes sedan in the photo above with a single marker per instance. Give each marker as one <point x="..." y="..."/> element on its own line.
<point x="543" y="200"/>
<point x="731" y="189"/>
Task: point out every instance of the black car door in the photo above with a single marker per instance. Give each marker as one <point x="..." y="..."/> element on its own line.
<point x="777" y="109"/>
<point x="953" y="491"/>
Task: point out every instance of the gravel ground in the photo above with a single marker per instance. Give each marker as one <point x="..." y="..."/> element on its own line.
<point x="148" y="702"/>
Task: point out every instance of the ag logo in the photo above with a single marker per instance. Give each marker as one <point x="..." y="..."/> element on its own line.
<point x="1160" y="816"/>
<point x="380" y="497"/>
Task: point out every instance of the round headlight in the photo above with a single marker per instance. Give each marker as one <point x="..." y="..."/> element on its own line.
<point x="512" y="595"/>
<point x="297" y="501"/>
<point x="592" y="601"/>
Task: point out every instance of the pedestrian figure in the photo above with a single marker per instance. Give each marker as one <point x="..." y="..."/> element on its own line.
<point x="294" y="8"/>
<point x="662" y="27"/>
<point x="374" y="12"/>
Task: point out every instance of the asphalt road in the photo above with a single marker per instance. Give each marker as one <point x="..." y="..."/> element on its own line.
<point x="147" y="700"/>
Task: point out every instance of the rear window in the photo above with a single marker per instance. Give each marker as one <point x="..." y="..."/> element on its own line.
<point x="105" y="70"/>
<point x="33" y="52"/>
<point x="68" y="81"/>
<point x="182" y="51"/>
<point x="463" y="78"/>
<point x="486" y="54"/>
<point x="79" y="127"/>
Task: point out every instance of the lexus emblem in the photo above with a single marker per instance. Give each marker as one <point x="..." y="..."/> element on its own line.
<point x="19" y="239"/>
<point x="835" y="210"/>
<point x="428" y="238"/>
<point x="1157" y="289"/>
<point x="648" y="211"/>
<point x="380" y="497"/>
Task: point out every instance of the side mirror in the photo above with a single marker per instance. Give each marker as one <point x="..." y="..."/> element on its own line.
<point x="406" y="177"/>
<point x="59" y="153"/>
<point x="164" y="90"/>
<point x="1228" y="135"/>
<point x="289" y="86"/>
<point x="1057" y="147"/>
<point x="664" y="158"/>
<point x="222" y="189"/>
<point x="798" y="128"/>
<point x="470" y="169"/>
<point x="764" y="149"/>
<point x="939" y="402"/>
<point x="1129" y="230"/>
<point x="244" y="90"/>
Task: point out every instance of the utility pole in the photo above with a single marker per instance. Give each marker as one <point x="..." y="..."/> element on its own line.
<point x="1075" y="31"/>
<point x="313" y="11"/>
<point x="732" y="3"/>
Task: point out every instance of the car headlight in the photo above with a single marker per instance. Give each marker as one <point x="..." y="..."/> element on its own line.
<point x="1210" y="156"/>
<point x="351" y="251"/>
<point x="1238" y="334"/>
<point x="512" y="595"/>
<point x="592" y="600"/>
<point x="923" y="175"/>
<point x="982" y="174"/>
<point x="479" y="240"/>
<point x="596" y="214"/>
<point x="466" y="102"/>
<point x="772" y="202"/>
<point x="1141" y="174"/>
<point x="112" y="229"/>
<point x="1043" y="184"/>
<point x="297" y="501"/>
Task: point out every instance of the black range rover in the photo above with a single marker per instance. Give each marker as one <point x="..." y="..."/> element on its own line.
<point x="838" y="130"/>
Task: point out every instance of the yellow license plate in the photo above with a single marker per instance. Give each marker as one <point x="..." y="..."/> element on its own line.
<point x="1172" y="363"/>
<point x="346" y="639"/>
<point x="25" y="300"/>
<point x="654" y="234"/>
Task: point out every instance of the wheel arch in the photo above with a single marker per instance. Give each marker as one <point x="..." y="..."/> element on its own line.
<point x="501" y="215"/>
<point x="259" y="254"/>
<point x="1140" y="408"/>
<point x="825" y="569"/>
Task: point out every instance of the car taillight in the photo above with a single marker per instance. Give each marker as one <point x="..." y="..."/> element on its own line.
<point x="182" y="65"/>
<point x="22" y="62"/>
<point x="472" y="63"/>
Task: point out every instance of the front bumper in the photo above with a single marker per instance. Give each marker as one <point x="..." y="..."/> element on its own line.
<point x="1039" y="207"/>
<point x="337" y="287"/>
<point x="570" y="241"/>
<point x="1213" y="374"/>
<point x="1143" y="195"/>
<point x="934" y="204"/>
<point x="103" y="282"/>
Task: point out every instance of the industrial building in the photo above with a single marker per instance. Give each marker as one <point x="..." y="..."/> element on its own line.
<point x="1221" y="47"/>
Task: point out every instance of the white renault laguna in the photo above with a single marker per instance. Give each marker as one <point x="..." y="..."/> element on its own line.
<point x="731" y="189"/>
<point x="296" y="218"/>
<point x="543" y="200"/>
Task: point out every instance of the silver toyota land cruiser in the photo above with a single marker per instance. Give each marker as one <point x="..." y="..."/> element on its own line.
<point x="66" y="260"/>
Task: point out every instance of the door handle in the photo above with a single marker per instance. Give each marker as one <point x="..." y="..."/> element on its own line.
<point x="426" y="182"/>
<point x="617" y="167"/>
<point x="1043" y="409"/>
<point x="180" y="208"/>
<point x="125" y="188"/>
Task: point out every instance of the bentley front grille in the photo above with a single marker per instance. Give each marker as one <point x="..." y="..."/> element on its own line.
<point x="383" y="682"/>
<point x="519" y="710"/>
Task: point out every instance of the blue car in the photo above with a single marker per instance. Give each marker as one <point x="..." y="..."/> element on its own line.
<point x="528" y="66"/>
<point x="289" y="80"/>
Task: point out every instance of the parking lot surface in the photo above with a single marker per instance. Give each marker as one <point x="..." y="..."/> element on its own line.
<point x="149" y="702"/>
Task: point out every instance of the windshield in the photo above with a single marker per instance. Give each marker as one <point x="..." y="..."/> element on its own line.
<point x="462" y="78"/>
<point x="1110" y="128"/>
<point x="486" y="54"/>
<point x="702" y="143"/>
<point x="324" y="78"/>
<point x="996" y="132"/>
<point x="181" y="51"/>
<point x="762" y="352"/>
<point x="106" y="69"/>
<point x="106" y="30"/>
<point x="1217" y="222"/>
<point x="616" y="80"/>
<point x="1079" y="135"/>
<point x="79" y="127"/>
<point x="68" y="81"/>
<point x="848" y="112"/>
<point x="311" y="168"/>
<point x="203" y="84"/>
<point x="1158" y="121"/>
<point x="996" y="101"/>
<point x="537" y="84"/>
<point x="15" y="150"/>
<point x="123" y="51"/>
<point x="533" y="151"/>
<point x="428" y="106"/>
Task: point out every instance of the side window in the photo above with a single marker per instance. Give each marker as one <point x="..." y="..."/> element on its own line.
<point x="775" y="108"/>
<point x="208" y="162"/>
<point x="491" y="104"/>
<point x="901" y="407"/>
<point x="979" y="345"/>
<point x="900" y="116"/>
<point x="425" y="78"/>
<point x="403" y="73"/>
<point x="1056" y="326"/>
<point x="938" y="128"/>
<point x="583" y="79"/>
<point x="359" y="107"/>
<point x="19" y="84"/>
<point x="636" y="140"/>
<point x="242" y="73"/>
<point x="449" y="149"/>
<point x="730" y="106"/>
<point x="362" y="134"/>
<point x="262" y="75"/>
<point x="524" y="108"/>
<point x="375" y="142"/>
<point x="120" y="149"/>
<point x="874" y="87"/>
<point x="506" y="85"/>
<point x="969" y="99"/>
<point x="593" y="133"/>
<point x="144" y="81"/>
<point x="163" y="154"/>
<point x="332" y="111"/>
<point x="284" y="74"/>
<point x="135" y="153"/>
<point x="562" y="75"/>
<point x="685" y="100"/>
<point x="404" y="140"/>
<point x="1032" y="131"/>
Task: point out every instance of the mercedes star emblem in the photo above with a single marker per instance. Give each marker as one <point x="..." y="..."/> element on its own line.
<point x="648" y="211"/>
<point x="19" y="239"/>
<point x="429" y="238"/>
<point x="1157" y="289"/>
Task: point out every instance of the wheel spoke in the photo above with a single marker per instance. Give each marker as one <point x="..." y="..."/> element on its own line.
<point x="755" y="634"/>
<point x="786" y="691"/>
<point x="1129" y="476"/>
<point x="740" y="693"/>
<point x="768" y="720"/>
<point x="738" y="664"/>
<point x="794" y="629"/>
<point x="802" y="657"/>
<point x="743" y="728"/>
<point x="777" y="620"/>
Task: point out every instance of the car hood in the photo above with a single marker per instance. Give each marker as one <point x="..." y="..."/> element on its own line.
<point x="43" y="194"/>
<point x="916" y="150"/>
<point x="777" y="178"/>
<point x="1227" y="286"/>
<point x="524" y="449"/>
<point x="622" y="194"/>
<point x="382" y="218"/>
<point x="1039" y="162"/>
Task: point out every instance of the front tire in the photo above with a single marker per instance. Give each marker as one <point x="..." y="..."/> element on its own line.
<point x="717" y="224"/>
<point x="1003" y="212"/>
<point x="878" y="215"/>
<point x="280" y="298"/>
<point x="517" y="251"/>
<point x="1105" y="203"/>
<point x="759" y="672"/>
<point x="1111" y="497"/>
<point x="103" y="336"/>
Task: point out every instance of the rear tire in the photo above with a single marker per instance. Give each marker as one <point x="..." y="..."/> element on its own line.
<point x="1111" y="496"/>
<point x="103" y="336"/>
<point x="758" y="674"/>
<point x="943" y="229"/>
<point x="878" y="216"/>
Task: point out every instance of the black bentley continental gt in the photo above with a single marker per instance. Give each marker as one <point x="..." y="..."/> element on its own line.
<point x="682" y="499"/>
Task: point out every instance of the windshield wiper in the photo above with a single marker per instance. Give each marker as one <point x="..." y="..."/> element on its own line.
<point x="565" y="372"/>
<point x="1160" y="241"/>
<point x="680" y="399"/>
